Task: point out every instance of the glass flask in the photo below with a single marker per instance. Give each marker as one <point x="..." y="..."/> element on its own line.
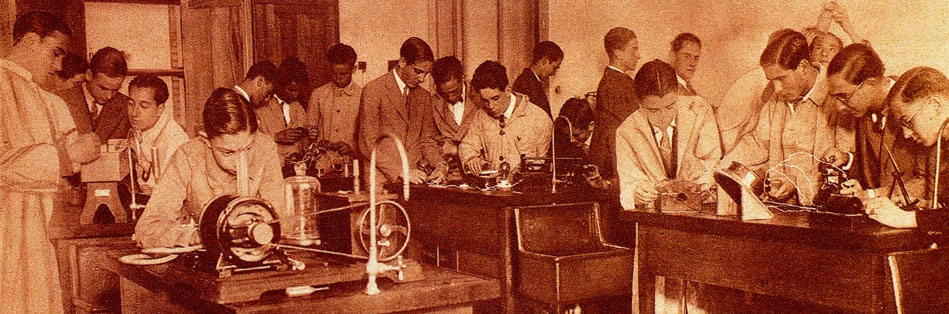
<point x="300" y="224"/>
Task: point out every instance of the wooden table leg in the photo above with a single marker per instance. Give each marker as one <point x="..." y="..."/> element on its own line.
<point x="646" y="280"/>
<point x="507" y="260"/>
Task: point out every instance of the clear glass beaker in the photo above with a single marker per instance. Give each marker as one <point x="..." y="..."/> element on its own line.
<point x="300" y="224"/>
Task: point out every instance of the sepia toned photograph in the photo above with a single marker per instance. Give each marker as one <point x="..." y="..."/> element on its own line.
<point x="481" y="156"/>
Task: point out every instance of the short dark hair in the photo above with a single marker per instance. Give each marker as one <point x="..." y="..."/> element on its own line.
<point x="73" y="65"/>
<point x="227" y="112"/>
<point x="446" y="69"/>
<point x="918" y="83"/>
<point x="109" y="61"/>
<point x="415" y="50"/>
<point x="39" y="22"/>
<point x="265" y="69"/>
<point x="156" y="84"/>
<point x="490" y="74"/>
<point x="616" y="39"/>
<point x="680" y="40"/>
<point x="578" y="111"/>
<point x="856" y="63"/>
<point x="655" y="78"/>
<point x="547" y="50"/>
<point x="786" y="48"/>
<point x="341" y="53"/>
<point x="294" y="70"/>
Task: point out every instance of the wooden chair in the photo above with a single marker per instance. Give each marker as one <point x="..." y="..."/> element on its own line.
<point x="563" y="258"/>
<point x="920" y="280"/>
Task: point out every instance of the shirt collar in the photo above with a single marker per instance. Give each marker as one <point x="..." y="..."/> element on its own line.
<point x="659" y="133"/>
<point x="682" y="81"/>
<point x="535" y="74"/>
<point x="150" y="136"/>
<point x="464" y="95"/>
<point x="88" y="95"/>
<point x="615" y="68"/>
<point x="279" y="101"/>
<point x="510" y="107"/>
<point x="349" y="90"/>
<point x="398" y="81"/>
<point x="16" y="68"/>
<point x="655" y="129"/>
<point x="818" y="92"/>
<point x="242" y="92"/>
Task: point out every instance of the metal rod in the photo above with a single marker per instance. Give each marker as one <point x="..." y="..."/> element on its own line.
<point x="303" y="248"/>
<point x="553" y="154"/>
<point x="133" y="178"/>
<point x="373" y="267"/>
<point x="935" y="204"/>
<point x="897" y="175"/>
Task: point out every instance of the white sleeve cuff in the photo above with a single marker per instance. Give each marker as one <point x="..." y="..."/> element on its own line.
<point x="849" y="161"/>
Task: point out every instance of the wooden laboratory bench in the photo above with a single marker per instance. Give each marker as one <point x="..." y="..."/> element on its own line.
<point x="474" y="231"/>
<point x="787" y="256"/>
<point x="152" y="289"/>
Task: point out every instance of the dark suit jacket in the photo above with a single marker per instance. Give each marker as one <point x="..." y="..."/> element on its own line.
<point x="527" y="84"/>
<point x="615" y="100"/>
<point x="113" y="121"/>
<point x="382" y="110"/>
<point x="446" y="129"/>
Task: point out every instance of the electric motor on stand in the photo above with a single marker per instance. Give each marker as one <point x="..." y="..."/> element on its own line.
<point x="239" y="233"/>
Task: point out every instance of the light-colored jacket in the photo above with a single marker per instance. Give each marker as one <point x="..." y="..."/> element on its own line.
<point x="193" y="178"/>
<point x="526" y="132"/>
<point x="334" y="110"/>
<point x="788" y="145"/>
<point x="698" y="148"/>
<point x="165" y="137"/>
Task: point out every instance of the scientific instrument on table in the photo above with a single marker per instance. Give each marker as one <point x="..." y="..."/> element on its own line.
<point x="828" y="198"/>
<point x="543" y="173"/>
<point x="102" y="177"/>
<point x="322" y="159"/>
<point x="243" y="234"/>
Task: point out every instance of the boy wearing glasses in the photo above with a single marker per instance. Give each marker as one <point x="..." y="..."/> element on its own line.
<point x="920" y="102"/>
<point x="856" y="82"/>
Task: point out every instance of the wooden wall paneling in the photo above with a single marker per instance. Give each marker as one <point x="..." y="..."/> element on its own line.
<point x="443" y="26"/>
<point x="284" y="29"/>
<point x="543" y="20"/>
<point x="459" y="29"/>
<point x="212" y="42"/>
<point x="7" y="18"/>
<point x="198" y="60"/>
<point x="311" y="51"/>
<point x="204" y="4"/>
<point x="177" y="62"/>
<point x="517" y="34"/>
<point x="287" y="33"/>
<point x="260" y="31"/>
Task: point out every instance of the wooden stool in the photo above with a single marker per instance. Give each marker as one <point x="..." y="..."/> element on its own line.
<point x="102" y="193"/>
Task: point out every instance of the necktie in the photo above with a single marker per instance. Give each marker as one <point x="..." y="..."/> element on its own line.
<point x="502" y="122"/>
<point x="94" y="114"/>
<point x="665" y="152"/>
